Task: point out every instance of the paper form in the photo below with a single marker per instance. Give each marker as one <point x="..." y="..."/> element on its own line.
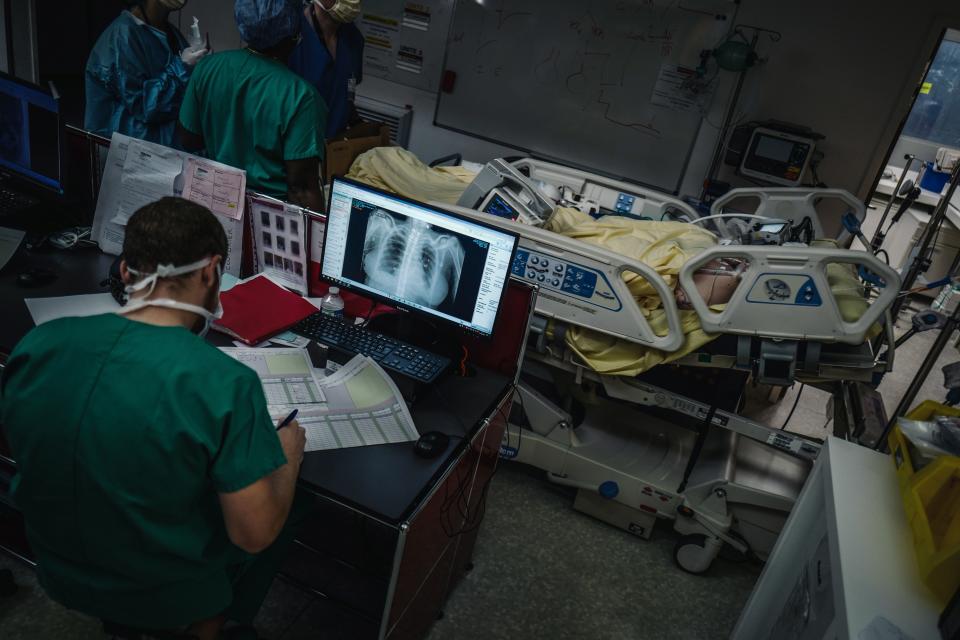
<point x="149" y="173"/>
<point x="363" y="407"/>
<point x="47" y="309"/>
<point x="106" y="233"/>
<point x="116" y="204"/>
<point x="234" y="232"/>
<point x="286" y="376"/>
<point x="217" y="187"/>
<point x="680" y="89"/>
<point x="9" y="243"/>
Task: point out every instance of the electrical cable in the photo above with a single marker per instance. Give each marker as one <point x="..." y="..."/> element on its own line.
<point x="69" y="238"/>
<point x="471" y="519"/>
<point x="794" y="408"/>
<point x="730" y="215"/>
<point x="366" y="318"/>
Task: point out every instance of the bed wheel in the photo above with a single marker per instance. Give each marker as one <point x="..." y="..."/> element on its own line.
<point x="694" y="553"/>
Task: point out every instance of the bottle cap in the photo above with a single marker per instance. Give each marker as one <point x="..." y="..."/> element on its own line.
<point x="333" y="290"/>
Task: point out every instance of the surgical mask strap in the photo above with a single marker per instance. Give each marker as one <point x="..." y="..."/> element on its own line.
<point x="163" y="271"/>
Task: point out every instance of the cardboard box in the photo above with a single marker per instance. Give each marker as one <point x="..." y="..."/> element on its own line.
<point x="349" y="144"/>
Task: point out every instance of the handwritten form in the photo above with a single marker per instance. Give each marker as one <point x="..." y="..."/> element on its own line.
<point x="220" y="189"/>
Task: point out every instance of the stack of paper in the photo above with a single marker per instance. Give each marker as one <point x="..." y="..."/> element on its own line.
<point x="357" y="406"/>
<point x="287" y="378"/>
<point x="363" y="408"/>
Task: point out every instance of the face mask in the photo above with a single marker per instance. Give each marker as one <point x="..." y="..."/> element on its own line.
<point x="342" y="10"/>
<point x="168" y="271"/>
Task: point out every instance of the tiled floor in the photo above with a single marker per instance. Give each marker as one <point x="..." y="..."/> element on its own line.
<point x="542" y="569"/>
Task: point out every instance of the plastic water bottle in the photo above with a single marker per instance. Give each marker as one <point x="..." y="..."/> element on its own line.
<point x="332" y="303"/>
<point x="195" y="40"/>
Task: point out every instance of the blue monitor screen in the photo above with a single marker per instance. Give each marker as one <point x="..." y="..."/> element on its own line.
<point x="30" y="133"/>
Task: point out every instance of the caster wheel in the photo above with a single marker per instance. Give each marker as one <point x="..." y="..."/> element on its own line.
<point x="468" y="567"/>
<point x="689" y="553"/>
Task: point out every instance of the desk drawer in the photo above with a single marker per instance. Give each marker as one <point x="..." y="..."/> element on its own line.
<point x="343" y="555"/>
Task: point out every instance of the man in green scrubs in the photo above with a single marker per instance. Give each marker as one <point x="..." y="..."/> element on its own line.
<point x="153" y="483"/>
<point x="248" y="110"/>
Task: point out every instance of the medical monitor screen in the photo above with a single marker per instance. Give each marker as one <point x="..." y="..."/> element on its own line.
<point x="775" y="148"/>
<point x="416" y="256"/>
<point x="29" y="133"/>
<point x="501" y="208"/>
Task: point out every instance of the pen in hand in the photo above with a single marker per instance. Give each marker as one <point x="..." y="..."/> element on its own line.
<point x="288" y="419"/>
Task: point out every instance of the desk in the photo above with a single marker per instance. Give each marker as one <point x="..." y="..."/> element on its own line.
<point x="385" y="539"/>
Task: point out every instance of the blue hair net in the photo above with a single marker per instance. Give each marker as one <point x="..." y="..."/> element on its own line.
<point x="265" y="23"/>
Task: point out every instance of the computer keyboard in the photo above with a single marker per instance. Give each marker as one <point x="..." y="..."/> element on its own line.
<point x="12" y="202"/>
<point x="411" y="361"/>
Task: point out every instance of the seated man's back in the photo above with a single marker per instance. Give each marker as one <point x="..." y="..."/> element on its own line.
<point x="147" y="461"/>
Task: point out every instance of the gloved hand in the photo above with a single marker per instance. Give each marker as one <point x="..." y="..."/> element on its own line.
<point x="192" y="55"/>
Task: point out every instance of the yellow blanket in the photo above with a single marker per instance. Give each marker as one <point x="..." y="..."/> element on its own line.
<point x="397" y="170"/>
<point x="665" y="246"/>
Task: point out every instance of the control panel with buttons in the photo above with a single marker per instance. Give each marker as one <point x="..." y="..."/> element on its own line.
<point x="785" y="288"/>
<point x="573" y="280"/>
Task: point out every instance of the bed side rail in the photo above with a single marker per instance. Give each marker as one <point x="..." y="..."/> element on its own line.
<point x="583" y="284"/>
<point x="784" y="294"/>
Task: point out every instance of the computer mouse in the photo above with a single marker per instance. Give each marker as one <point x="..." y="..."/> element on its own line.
<point x="431" y="444"/>
<point x="36" y="277"/>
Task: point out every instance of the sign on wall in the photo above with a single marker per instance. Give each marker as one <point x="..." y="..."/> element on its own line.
<point x="406" y="41"/>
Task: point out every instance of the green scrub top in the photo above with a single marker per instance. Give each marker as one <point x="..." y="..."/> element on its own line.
<point x="254" y="113"/>
<point x="124" y="434"/>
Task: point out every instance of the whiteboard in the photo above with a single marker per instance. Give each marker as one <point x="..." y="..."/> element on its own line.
<point x="577" y="81"/>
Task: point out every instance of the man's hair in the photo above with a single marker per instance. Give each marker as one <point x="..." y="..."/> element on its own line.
<point x="172" y="231"/>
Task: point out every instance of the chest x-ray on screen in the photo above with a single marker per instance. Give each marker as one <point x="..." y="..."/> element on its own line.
<point x="411" y="260"/>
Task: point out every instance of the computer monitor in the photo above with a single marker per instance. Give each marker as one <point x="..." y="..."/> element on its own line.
<point x="30" y="133"/>
<point x="415" y="256"/>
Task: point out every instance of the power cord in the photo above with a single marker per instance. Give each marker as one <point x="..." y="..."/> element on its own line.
<point x="472" y="519"/>
<point x="69" y="238"/>
<point x="794" y="408"/>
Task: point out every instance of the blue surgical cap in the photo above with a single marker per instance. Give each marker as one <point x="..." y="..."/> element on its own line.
<point x="265" y="23"/>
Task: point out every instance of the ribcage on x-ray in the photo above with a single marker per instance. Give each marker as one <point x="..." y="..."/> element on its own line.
<point x="411" y="260"/>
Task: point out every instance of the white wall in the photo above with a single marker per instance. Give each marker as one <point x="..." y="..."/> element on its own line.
<point x="845" y="68"/>
<point x="427" y="141"/>
<point x="216" y="17"/>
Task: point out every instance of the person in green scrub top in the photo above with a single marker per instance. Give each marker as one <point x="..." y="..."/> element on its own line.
<point x="154" y="486"/>
<point x="248" y="110"/>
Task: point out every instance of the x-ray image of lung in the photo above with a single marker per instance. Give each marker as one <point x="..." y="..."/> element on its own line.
<point x="411" y="260"/>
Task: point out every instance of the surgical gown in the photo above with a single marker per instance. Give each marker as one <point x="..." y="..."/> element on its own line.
<point x="312" y="61"/>
<point x="135" y="82"/>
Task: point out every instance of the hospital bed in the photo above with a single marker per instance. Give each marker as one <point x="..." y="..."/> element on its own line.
<point x="731" y="484"/>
